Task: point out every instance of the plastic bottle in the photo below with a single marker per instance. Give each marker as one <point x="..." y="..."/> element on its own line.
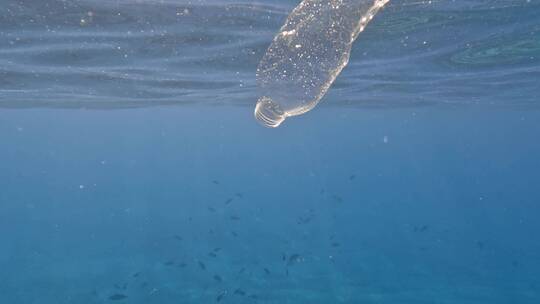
<point x="307" y="55"/>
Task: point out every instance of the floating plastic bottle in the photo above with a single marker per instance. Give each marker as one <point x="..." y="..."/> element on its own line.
<point x="307" y="55"/>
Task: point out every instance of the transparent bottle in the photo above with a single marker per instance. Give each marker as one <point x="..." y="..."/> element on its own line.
<point x="307" y="55"/>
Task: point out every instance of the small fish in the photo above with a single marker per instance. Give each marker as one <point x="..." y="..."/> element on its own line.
<point x="283" y="257"/>
<point x="480" y="245"/>
<point x="169" y="263"/>
<point x="118" y="297"/>
<point x="137" y="274"/>
<point x="217" y="249"/>
<point x="234" y="234"/>
<point x="422" y="228"/>
<point x="239" y="194"/>
<point x="266" y="271"/>
<point x="177" y="237"/>
<point x="295" y="258"/>
<point x="352" y="177"/>
<point x="304" y="220"/>
<point x="216" y="182"/>
<point x="117" y="286"/>
<point x="228" y="201"/>
<point x="218" y="278"/>
<point x="221" y="296"/>
<point x="254" y="297"/>
<point x="335" y="244"/>
<point x="212" y="254"/>
<point x="201" y="265"/>
<point x="211" y="209"/>
<point x="182" y="265"/>
<point x="239" y="292"/>
<point x="242" y="270"/>
<point x="234" y="218"/>
<point x="337" y="198"/>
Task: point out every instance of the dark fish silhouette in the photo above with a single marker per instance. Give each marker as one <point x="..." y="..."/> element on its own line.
<point x="216" y="182"/>
<point x="201" y="265"/>
<point x="169" y="263"/>
<point x="221" y="296"/>
<point x="228" y="201"/>
<point x="295" y="258"/>
<point x="234" y="218"/>
<point x="211" y="209"/>
<point x="118" y="286"/>
<point x="118" y="297"/>
<point x="422" y="228"/>
<point x="353" y="176"/>
<point x="218" y="278"/>
<point x="182" y="265"/>
<point x="177" y="237"/>
<point x="217" y="249"/>
<point x="136" y="274"/>
<point x="242" y="270"/>
<point x="254" y="297"/>
<point x="266" y="271"/>
<point x="284" y="257"/>
<point x="335" y="244"/>
<point x="239" y="292"/>
<point x="239" y="194"/>
<point x="480" y="245"/>
<point x="304" y="220"/>
<point x="234" y="234"/>
<point x="337" y="198"/>
<point x="212" y="254"/>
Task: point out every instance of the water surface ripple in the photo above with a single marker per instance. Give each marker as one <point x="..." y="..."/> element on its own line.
<point x="117" y="54"/>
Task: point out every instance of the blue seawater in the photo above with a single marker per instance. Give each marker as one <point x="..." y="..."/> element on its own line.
<point x="132" y="169"/>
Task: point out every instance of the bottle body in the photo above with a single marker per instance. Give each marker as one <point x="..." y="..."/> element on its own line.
<point x="307" y="55"/>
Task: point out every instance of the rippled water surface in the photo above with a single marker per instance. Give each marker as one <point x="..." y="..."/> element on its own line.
<point x="110" y="54"/>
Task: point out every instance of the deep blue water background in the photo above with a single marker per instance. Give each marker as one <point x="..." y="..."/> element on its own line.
<point x="126" y="129"/>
